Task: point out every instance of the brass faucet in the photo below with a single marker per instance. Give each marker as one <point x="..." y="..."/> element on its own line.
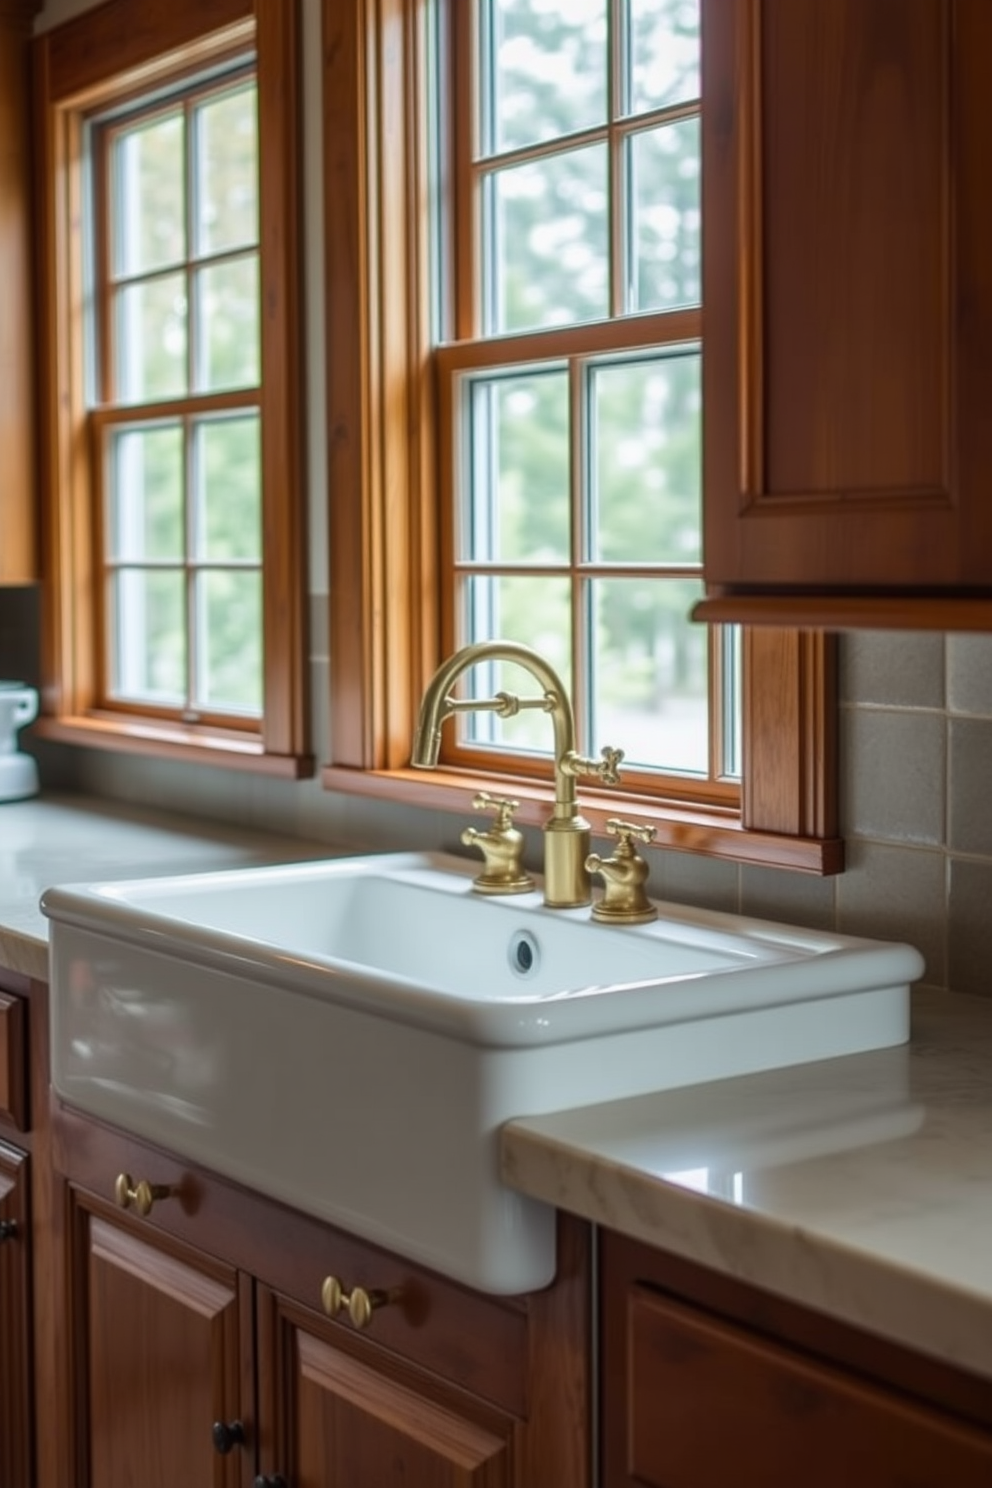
<point x="567" y="835"/>
<point x="625" y="900"/>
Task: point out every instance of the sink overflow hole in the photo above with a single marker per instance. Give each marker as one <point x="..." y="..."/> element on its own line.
<point x="525" y="954"/>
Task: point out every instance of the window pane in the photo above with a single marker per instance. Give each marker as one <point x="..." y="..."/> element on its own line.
<point x="227" y="325"/>
<point x="664" y="217"/>
<point x="146" y="494"/>
<point x="547" y="236"/>
<point x="732" y="661"/>
<point x="226" y="172"/>
<point x="663" y="49"/>
<point x="229" y="650"/>
<point x="151" y="339"/>
<point x="149" y="174"/>
<point x="228" y="511"/>
<point x="149" y="627"/>
<point x="516" y="507"/>
<point x="536" y="611"/>
<point x="645" y="430"/>
<point x="544" y="70"/>
<point x="651" y="673"/>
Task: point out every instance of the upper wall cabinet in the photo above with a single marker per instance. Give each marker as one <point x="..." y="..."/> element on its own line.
<point x="18" y="509"/>
<point x="848" y="311"/>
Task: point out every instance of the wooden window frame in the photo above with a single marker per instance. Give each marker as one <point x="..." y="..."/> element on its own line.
<point x="124" y="49"/>
<point x="386" y="633"/>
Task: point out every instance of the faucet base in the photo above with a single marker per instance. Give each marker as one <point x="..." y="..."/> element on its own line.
<point x="487" y="883"/>
<point x="606" y="914"/>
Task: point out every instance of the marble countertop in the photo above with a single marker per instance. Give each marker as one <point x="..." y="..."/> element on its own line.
<point x="76" y="839"/>
<point x="859" y="1186"/>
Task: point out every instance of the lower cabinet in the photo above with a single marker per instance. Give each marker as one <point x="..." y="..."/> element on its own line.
<point x="15" y="1321"/>
<point x="709" y="1384"/>
<point x="218" y="1340"/>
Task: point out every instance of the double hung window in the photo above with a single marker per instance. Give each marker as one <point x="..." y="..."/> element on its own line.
<point x="175" y="495"/>
<point x="570" y="383"/>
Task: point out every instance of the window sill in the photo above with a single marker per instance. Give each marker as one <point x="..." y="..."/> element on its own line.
<point x="712" y="833"/>
<point x="228" y="751"/>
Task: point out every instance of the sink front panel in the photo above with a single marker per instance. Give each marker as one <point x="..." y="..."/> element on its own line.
<point x="382" y="1127"/>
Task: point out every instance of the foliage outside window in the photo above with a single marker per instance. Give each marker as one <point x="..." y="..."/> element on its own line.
<point x="178" y="626"/>
<point x="514" y="420"/>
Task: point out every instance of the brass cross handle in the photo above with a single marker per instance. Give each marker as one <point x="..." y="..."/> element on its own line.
<point x="625" y="831"/>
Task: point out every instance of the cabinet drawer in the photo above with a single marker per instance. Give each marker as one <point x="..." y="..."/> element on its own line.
<point x="710" y="1403"/>
<point x="13" y="1061"/>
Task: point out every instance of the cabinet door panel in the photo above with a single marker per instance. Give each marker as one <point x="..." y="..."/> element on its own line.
<point x="332" y="1419"/>
<point x="848" y="294"/>
<point x="161" y="1362"/>
<point x="15" y="1322"/>
<point x="711" y="1406"/>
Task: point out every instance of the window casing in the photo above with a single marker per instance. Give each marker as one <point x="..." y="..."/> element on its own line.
<point x="392" y="544"/>
<point x="174" y="488"/>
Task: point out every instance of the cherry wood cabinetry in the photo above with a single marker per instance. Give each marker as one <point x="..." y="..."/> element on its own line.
<point x="709" y="1384"/>
<point x="18" y="520"/>
<point x="15" y="1321"/>
<point x="201" y="1350"/>
<point x="16" y="1241"/>
<point x="848" y="310"/>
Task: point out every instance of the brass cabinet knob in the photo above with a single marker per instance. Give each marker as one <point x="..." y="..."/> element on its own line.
<point x="139" y="1196"/>
<point x="359" y="1303"/>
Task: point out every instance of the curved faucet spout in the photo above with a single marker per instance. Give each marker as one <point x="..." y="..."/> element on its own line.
<point x="567" y="833"/>
<point x="439" y="704"/>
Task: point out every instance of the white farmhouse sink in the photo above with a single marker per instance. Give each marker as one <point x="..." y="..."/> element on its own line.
<point x="348" y="1036"/>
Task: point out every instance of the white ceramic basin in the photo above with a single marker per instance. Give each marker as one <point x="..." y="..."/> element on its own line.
<point x="349" y="1035"/>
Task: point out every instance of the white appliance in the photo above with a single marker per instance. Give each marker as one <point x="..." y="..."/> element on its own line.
<point x="18" y="771"/>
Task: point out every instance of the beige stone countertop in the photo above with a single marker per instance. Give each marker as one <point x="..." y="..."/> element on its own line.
<point x="858" y="1186"/>
<point x="79" y="839"/>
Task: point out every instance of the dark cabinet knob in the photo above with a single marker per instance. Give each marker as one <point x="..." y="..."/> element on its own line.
<point x="227" y="1435"/>
<point x="270" y="1480"/>
<point x="8" y="1229"/>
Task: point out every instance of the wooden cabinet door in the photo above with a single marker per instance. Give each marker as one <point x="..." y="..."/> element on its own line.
<point x="343" y="1414"/>
<point x="847" y="295"/>
<point x="158" y="1359"/>
<point x="15" y="1322"/>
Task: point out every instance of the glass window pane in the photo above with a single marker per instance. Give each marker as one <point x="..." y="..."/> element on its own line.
<point x="146" y="494"/>
<point x="516" y="505"/>
<point x="650" y="673"/>
<point x="663" y="52"/>
<point x="645" y="431"/>
<point x="149" y="196"/>
<point x="228" y="509"/>
<point x="544" y="70"/>
<point x="148" y="610"/>
<point x="229" y="640"/>
<point x="547" y="235"/>
<point x="151" y="339"/>
<point x="226" y="207"/>
<point x="664" y="217"/>
<point x="227" y="333"/>
<point x="536" y="611"/>
<point x="732" y="668"/>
